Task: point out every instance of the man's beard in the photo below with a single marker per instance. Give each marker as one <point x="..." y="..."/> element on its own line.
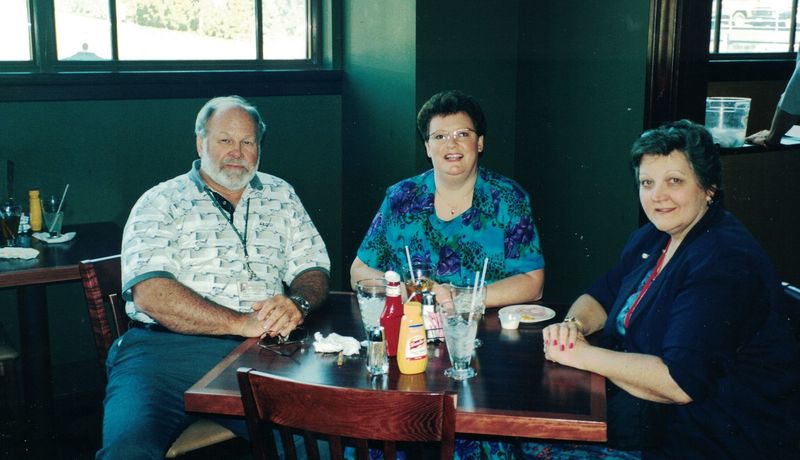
<point x="231" y="179"/>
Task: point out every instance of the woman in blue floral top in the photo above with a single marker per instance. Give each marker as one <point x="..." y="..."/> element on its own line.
<point x="457" y="214"/>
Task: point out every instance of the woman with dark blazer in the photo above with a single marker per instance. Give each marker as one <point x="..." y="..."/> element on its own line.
<point x="695" y="342"/>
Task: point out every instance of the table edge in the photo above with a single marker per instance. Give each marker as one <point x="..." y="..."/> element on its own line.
<point x="40" y="276"/>
<point x="199" y="399"/>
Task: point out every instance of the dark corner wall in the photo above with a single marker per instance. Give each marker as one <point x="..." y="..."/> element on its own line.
<point x="562" y="85"/>
<point x="580" y="107"/>
<point x="378" y="108"/>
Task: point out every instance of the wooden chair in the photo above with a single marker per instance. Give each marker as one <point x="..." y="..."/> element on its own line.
<point x="102" y="284"/>
<point x="342" y="415"/>
<point x="791" y="297"/>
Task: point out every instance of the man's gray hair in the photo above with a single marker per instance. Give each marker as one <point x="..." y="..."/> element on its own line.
<point x="218" y="102"/>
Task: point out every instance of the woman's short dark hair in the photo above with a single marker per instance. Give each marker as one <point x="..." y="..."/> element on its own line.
<point x="689" y="138"/>
<point x="446" y="103"/>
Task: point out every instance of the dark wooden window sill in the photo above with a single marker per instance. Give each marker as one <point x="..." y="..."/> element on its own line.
<point x="67" y="86"/>
<point x="752" y="149"/>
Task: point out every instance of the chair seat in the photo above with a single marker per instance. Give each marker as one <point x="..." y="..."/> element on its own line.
<point x="201" y="433"/>
<point x="102" y="284"/>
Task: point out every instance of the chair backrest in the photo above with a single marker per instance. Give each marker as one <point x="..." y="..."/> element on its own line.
<point x="342" y="415"/>
<point x="791" y="297"/>
<point x="102" y="283"/>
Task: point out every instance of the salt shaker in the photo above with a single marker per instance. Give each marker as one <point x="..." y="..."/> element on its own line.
<point x="377" y="359"/>
<point x="433" y="324"/>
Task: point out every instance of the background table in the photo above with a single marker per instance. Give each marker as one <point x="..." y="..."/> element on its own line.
<point x="516" y="391"/>
<point x="55" y="263"/>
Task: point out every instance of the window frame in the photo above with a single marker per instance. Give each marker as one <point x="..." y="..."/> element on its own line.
<point x="680" y="65"/>
<point x="726" y="57"/>
<point x="46" y="78"/>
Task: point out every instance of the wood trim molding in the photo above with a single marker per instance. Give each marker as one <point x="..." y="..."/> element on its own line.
<point x="153" y="85"/>
<point x="677" y="61"/>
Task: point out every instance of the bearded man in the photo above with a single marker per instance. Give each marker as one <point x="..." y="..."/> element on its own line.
<point x="209" y="258"/>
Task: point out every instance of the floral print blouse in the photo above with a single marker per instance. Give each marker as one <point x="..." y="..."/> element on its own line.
<point x="499" y="225"/>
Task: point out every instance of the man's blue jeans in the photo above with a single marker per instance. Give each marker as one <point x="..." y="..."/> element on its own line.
<point x="148" y="372"/>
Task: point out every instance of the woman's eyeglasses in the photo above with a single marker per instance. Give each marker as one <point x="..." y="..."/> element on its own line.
<point x="459" y="135"/>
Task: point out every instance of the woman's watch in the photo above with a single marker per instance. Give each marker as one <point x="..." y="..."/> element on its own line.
<point x="572" y="319"/>
<point x="302" y="304"/>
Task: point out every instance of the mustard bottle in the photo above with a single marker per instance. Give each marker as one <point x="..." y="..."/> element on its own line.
<point x="35" y="210"/>
<point x="412" y="345"/>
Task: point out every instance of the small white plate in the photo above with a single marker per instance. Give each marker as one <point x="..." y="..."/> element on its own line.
<point x="530" y="313"/>
<point x="63" y="238"/>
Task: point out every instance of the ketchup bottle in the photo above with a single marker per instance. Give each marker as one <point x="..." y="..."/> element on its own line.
<point x="392" y="312"/>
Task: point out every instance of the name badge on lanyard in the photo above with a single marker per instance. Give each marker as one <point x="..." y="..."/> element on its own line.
<point x="250" y="292"/>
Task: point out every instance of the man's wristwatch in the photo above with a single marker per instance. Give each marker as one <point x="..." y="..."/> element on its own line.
<point x="302" y="304"/>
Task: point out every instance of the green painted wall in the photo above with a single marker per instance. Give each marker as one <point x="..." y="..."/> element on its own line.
<point x="580" y="106"/>
<point x="472" y="46"/>
<point x="110" y="152"/>
<point x="378" y="105"/>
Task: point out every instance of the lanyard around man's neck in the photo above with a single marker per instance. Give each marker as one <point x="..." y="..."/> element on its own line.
<point x="224" y="206"/>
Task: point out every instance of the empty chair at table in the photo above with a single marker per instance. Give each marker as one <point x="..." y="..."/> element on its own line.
<point x="340" y="415"/>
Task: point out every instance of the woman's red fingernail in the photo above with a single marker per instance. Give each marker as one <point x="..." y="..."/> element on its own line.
<point x="571" y="346"/>
<point x="562" y="347"/>
<point x="555" y="342"/>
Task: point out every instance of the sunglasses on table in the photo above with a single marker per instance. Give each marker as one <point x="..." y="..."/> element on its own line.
<point x="281" y="345"/>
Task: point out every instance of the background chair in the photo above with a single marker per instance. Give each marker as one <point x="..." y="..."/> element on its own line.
<point x="791" y="297"/>
<point x="102" y="283"/>
<point x="337" y="413"/>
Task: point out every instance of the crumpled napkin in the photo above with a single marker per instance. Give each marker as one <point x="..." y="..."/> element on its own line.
<point x="335" y="343"/>
<point x="63" y="238"/>
<point x="18" y="253"/>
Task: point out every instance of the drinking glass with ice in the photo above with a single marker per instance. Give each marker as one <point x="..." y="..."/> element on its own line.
<point x="460" y="327"/>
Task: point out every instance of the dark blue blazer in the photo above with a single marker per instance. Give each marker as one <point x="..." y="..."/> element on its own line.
<point x="715" y="316"/>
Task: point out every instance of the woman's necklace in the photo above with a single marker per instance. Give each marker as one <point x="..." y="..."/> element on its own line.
<point x="453" y="208"/>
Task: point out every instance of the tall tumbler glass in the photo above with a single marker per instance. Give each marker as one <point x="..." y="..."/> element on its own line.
<point x="9" y="223"/>
<point x="53" y="214"/>
<point x="371" y="295"/>
<point x="421" y="281"/>
<point x="460" y="327"/>
<point x="467" y="298"/>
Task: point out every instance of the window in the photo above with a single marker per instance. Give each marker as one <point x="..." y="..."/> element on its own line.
<point x="752" y="27"/>
<point x="681" y="64"/>
<point x="15" y="31"/>
<point x="140" y="49"/>
<point x="103" y="35"/>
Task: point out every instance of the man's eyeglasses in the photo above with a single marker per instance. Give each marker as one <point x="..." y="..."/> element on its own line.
<point x="284" y="346"/>
<point x="459" y="135"/>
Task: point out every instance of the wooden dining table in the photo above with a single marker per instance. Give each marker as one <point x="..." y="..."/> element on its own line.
<point x="57" y="262"/>
<point x="516" y="391"/>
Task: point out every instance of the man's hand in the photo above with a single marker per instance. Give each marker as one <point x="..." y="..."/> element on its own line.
<point x="760" y="138"/>
<point x="277" y="316"/>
